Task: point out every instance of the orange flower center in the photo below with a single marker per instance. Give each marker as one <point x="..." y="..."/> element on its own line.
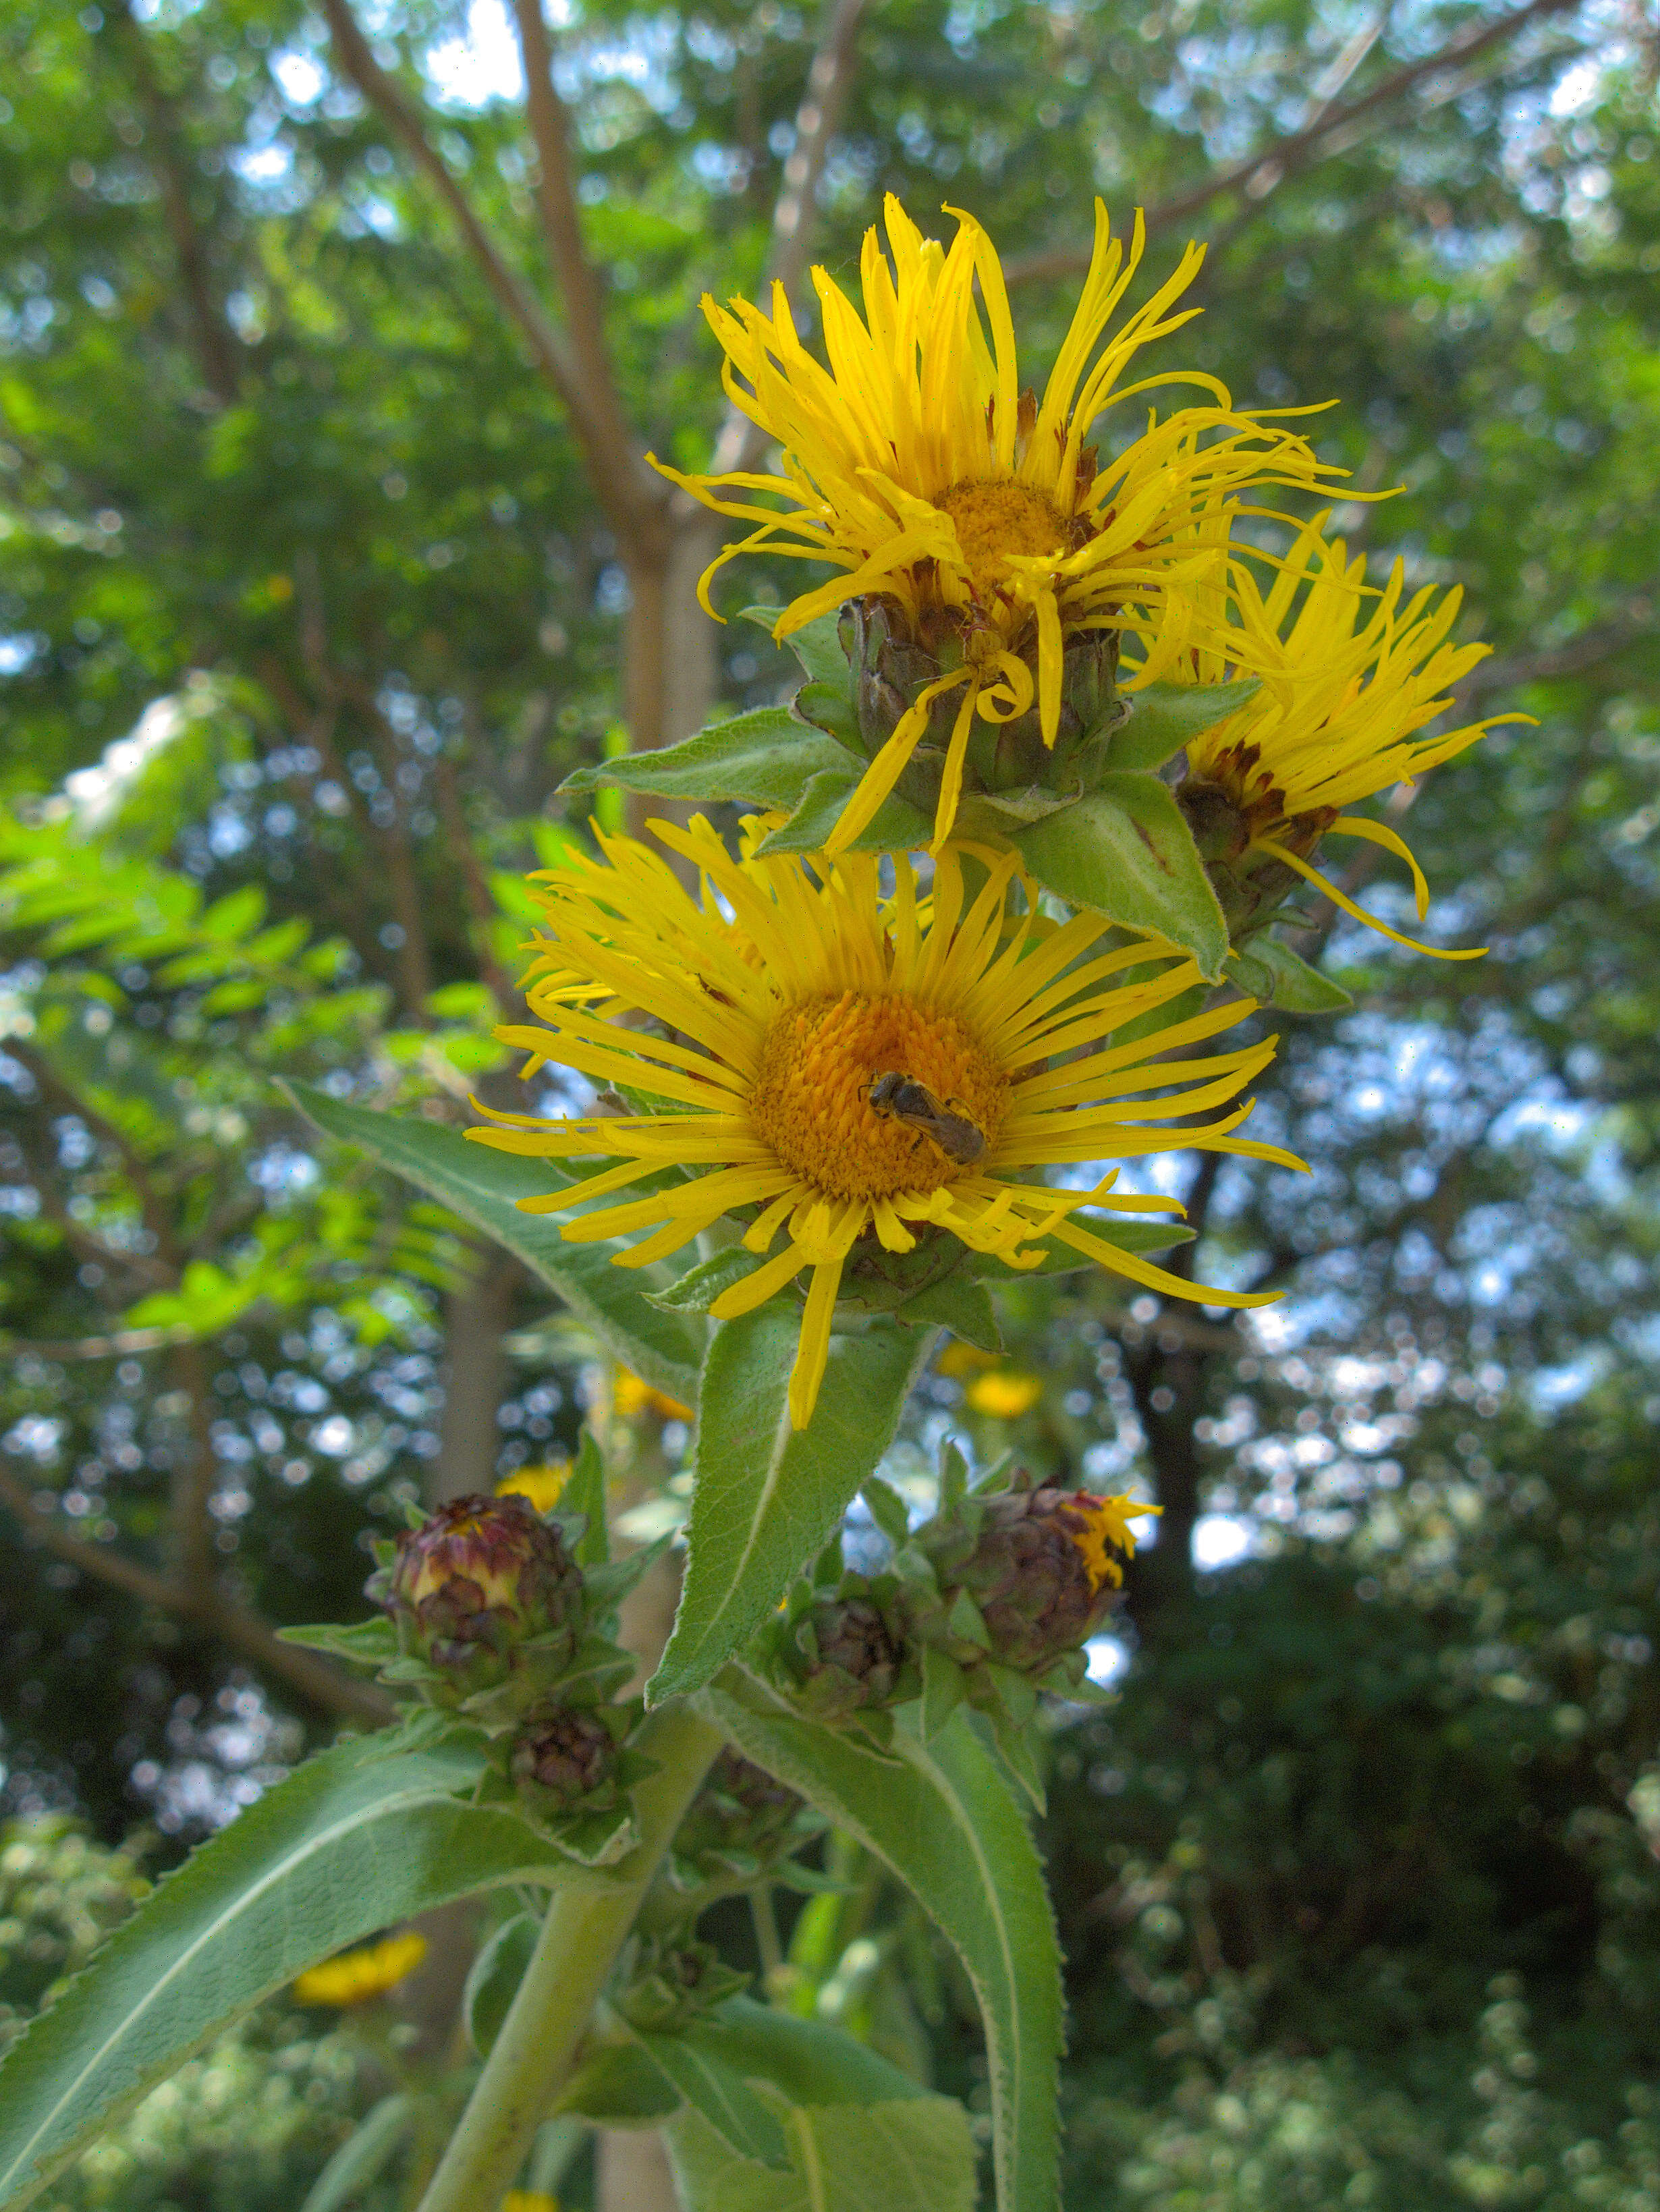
<point x="996" y="519"/>
<point x="812" y="1102"/>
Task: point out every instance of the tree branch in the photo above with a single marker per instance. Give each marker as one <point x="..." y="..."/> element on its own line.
<point x="216" y="348"/>
<point x="818" y="119"/>
<point x="1296" y="149"/>
<point x="632" y="497"/>
<point x="123" y="1344"/>
<point x="481" y="903"/>
<point x="304" y="1672"/>
<point x="562" y="230"/>
<point x="52" y="1085"/>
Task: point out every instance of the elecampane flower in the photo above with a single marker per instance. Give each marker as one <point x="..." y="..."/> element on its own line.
<point x="780" y="993"/>
<point x="916" y="465"/>
<point x="1351" y="676"/>
<point x="356" y="1977"/>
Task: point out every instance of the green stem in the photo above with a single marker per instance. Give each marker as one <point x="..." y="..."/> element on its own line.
<point x="585" y="1928"/>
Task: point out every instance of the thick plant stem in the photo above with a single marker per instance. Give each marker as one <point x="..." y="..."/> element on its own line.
<point x="585" y="1928"/>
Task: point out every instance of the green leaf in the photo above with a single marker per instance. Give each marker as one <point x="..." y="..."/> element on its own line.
<point x="482" y="1185"/>
<point x="1167" y="716"/>
<point x="371" y="1642"/>
<point x="808" y="2061"/>
<point x="350" y="1841"/>
<point x="364" y="2155"/>
<point x="1061" y="1260"/>
<point x="761" y="758"/>
<point x="917" y="2154"/>
<point x="585" y="1493"/>
<point x="896" y="825"/>
<point x="816" y="645"/>
<point x="618" y="2085"/>
<point x="942" y="1819"/>
<point x="1271" y="971"/>
<point x="494" y="1976"/>
<point x="961" y="1304"/>
<point x="1124" y="851"/>
<point x="696" y="2064"/>
<point x="700" y="1287"/>
<point x="943" y="1688"/>
<point x="767" y="1495"/>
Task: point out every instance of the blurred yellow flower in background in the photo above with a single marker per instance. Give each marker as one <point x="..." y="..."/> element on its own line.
<point x="959" y="1359"/>
<point x="356" y="1977"/>
<point x="542" y="1485"/>
<point x="630" y="1397"/>
<point x="1005" y="1394"/>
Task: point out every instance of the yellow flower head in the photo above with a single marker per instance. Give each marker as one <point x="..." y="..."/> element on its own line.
<point x="1005" y="1394"/>
<point x="1104" y="1530"/>
<point x="542" y="1485"/>
<point x="630" y="1397"/>
<point x="357" y="1976"/>
<point x="782" y="996"/>
<point x="1351" y="675"/>
<point x="917" y="466"/>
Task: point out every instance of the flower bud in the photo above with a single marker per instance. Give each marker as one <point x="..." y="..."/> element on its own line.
<point x="481" y="1577"/>
<point x="1040" y="1568"/>
<point x="893" y="657"/>
<point x="741" y="1823"/>
<point x="564" y="1757"/>
<point x="842" y="1654"/>
<point x="675" y="1982"/>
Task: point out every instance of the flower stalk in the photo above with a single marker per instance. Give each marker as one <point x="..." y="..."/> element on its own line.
<point x="586" y="1927"/>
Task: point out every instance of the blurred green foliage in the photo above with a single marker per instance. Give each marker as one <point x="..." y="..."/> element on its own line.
<point x="306" y="603"/>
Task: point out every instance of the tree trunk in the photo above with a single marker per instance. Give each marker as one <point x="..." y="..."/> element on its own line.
<point x="475" y="1381"/>
<point x="633" y="2172"/>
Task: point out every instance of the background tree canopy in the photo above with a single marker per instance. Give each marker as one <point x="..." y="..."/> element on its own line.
<point x="328" y="359"/>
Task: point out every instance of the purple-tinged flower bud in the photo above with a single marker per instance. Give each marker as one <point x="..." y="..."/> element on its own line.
<point x="565" y="1758"/>
<point x="482" y="1577"/>
<point x="1040" y="1568"/>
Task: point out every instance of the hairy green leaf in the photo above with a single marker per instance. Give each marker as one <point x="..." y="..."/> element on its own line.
<point x="941" y="1817"/>
<point x="481" y="1186"/>
<point x="1126" y="852"/>
<point x="698" y="2067"/>
<point x="916" y="2155"/>
<point x="761" y="758"/>
<point x="895" y="826"/>
<point x="355" y="1838"/>
<point x="1167" y="716"/>
<point x="767" y="1495"/>
<point x="1271" y="971"/>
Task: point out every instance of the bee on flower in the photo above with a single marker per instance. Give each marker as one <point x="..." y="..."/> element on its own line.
<point x="777" y="995"/>
<point x="1008" y="554"/>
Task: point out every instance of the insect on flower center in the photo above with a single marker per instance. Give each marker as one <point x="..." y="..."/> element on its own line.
<point x="995" y="520"/>
<point x="812" y="1102"/>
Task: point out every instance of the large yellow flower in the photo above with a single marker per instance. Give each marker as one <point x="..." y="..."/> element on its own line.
<point x="1351" y="675"/>
<point x="780" y="993"/>
<point x="917" y="466"/>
